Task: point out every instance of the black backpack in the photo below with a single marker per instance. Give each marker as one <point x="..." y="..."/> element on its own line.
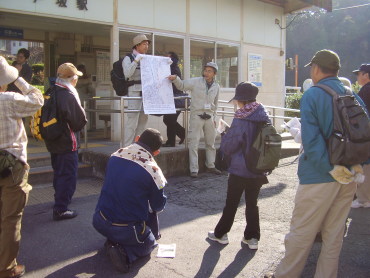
<point x="264" y="153"/>
<point x="349" y="143"/>
<point x="119" y="82"/>
<point x="50" y="126"/>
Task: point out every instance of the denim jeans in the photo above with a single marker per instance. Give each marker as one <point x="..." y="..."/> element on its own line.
<point x="236" y="186"/>
<point x="136" y="239"/>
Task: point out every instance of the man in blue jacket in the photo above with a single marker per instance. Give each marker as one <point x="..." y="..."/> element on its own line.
<point x="131" y="196"/>
<point x="325" y="192"/>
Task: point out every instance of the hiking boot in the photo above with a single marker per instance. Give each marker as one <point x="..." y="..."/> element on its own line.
<point x="118" y="258"/>
<point x="182" y="140"/>
<point x="194" y="174"/>
<point x="223" y="240"/>
<point x="68" y="214"/>
<point x="213" y="171"/>
<point x="252" y="243"/>
<point x="17" y="271"/>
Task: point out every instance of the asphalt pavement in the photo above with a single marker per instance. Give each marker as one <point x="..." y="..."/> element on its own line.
<point x="72" y="248"/>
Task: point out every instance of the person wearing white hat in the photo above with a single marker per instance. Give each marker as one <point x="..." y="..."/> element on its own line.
<point x="136" y="122"/>
<point x="204" y="100"/>
<point x="64" y="149"/>
<point x="14" y="169"/>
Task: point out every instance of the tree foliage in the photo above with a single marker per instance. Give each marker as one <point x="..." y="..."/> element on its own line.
<point x="345" y="31"/>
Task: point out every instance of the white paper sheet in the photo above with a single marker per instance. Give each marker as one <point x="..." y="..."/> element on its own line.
<point x="166" y="250"/>
<point x="157" y="89"/>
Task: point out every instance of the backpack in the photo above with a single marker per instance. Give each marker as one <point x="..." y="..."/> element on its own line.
<point x="349" y="143"/>
<point x="44" y="124"/>
<point x="119" y="82"/>
<point x="264" y="153"/>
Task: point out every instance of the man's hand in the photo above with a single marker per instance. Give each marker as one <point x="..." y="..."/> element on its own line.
<point x="341" y="174"/>
<point x="172" y="77"/>
<point x="138" y="57"/>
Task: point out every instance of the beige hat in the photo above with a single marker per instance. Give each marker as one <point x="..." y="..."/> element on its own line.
<point x="139" y="39"/>
<point x="7" y="73"/>
<point x="68" y="70"/>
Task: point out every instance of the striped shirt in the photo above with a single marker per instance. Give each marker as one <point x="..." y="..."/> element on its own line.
<point x="14" y="107"/>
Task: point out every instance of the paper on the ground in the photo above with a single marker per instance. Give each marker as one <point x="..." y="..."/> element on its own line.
<point x="222" y="126"/>
<point x="166" y="250"/>
<point x="156" y="87"/>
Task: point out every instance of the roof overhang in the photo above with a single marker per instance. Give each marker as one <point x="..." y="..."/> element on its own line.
<point x="295" y="5"/>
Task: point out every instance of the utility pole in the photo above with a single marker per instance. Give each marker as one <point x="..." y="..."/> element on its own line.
<point x="296" y="70"/>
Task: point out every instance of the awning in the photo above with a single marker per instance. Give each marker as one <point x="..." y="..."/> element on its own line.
<point x="295" y="5"/>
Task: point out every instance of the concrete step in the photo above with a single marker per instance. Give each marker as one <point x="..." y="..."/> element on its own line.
<point x="39" y="160"/>
<point x="44" y="174"/>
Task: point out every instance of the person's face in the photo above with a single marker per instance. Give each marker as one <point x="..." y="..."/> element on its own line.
<point x="20" y="58"/>
<point x="209" y="73"/>
<point x="362" y="78"/>
<point x="74" y="82"/>
<point x="143" y="47"/>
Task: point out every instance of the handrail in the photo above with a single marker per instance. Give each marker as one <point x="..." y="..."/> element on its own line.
<point x="221" y="113"/>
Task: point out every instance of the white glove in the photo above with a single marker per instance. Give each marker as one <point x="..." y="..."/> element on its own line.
<point x="138" y="57"/>
<point x="358" y="171"/>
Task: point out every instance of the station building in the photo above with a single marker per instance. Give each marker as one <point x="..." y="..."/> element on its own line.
<point x="246" y="38"/>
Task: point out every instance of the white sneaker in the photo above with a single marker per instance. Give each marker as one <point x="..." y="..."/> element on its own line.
<point x="252" y="243"/>
<point x="356" y="204"/>
<point x="223" y="240"/>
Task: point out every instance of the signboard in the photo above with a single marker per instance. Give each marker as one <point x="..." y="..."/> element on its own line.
<point x="255" y="69"/>
<point x="11" y="33"/>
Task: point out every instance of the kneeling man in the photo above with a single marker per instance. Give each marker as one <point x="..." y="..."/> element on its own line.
<point x="131" y="196"/>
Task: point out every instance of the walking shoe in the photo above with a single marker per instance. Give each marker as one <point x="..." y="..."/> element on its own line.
<point x="68" y="214"/>
<point x="356" y="204"/>
<point x="182" y="140"/>
<point x="252" y="243"/>
<point x="17" y="271"/>
<point x="194" y="174"/>
<point x="213" y="171"/>
<point x="223" y="240"/>
<point x="269" y="275"/>
<point x="118" y="258"/>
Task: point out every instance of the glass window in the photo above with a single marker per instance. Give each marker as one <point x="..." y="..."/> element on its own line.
<point x="227" y="61"/>
<point x="200" y="54"/>
<point x="163" y="45"/>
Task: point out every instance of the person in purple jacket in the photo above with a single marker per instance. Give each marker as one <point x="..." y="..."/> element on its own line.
<point x="240" y="135"/>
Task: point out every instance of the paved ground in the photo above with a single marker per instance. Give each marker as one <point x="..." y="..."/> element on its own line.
<point x="74" y="249"/>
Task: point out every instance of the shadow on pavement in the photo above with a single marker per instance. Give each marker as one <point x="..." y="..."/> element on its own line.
<point x="210" y="259"/>
<point x="241" y="259"/>
<point x="99" y="265"/>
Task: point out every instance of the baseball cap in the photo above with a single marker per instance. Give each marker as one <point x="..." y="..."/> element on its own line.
<point x="326" y="58"/>
<point x="68" y="70"/>
<point x="7" y="73"/>
<point x="364" y="68"/>
<point x="245" y="91"/>
<point x="212" y="65"/>
<point x="139" y="39"/>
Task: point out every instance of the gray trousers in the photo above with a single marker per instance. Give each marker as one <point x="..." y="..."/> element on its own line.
<point x="196" y="125"/>
<point x="135" y="123"/>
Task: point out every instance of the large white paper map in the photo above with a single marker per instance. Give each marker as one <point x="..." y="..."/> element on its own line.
<point x="157" y="89"/>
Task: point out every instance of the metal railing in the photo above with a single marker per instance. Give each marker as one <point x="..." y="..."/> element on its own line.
<point x="224" y="112"/>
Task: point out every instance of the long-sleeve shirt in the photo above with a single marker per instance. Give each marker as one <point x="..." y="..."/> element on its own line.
<point x="13" y="107"/>
<point x="201" y="95"/>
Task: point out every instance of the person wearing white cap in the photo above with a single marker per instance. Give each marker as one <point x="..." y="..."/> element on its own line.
<point x="203" y="107"/>
<point x="64" y="149"/>
<point x="136" y="122"/>
<point x="14" y="169"/>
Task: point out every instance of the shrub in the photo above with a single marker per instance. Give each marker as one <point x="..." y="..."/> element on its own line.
<point x="41" y="88"/>
<point x="37" y="68"/>
<point x="293" y="101"/>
